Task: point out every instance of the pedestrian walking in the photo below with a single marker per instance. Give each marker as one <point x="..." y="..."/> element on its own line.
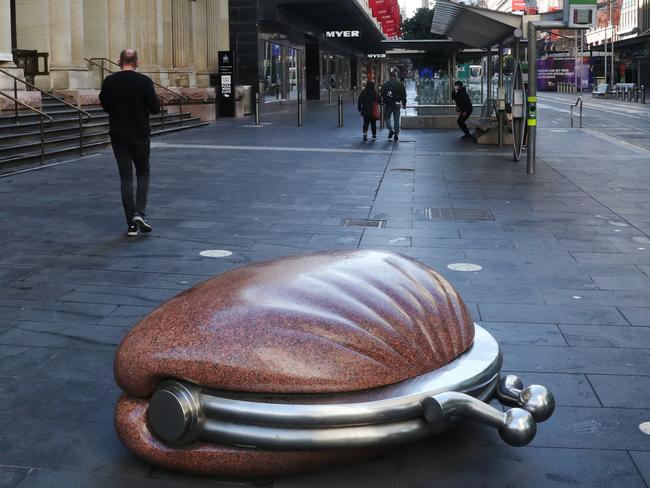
<point x="464" y="108"/>
<point x="129" y="97"/>
<point x="368" y="106"/>
<point x="393" y="94"/>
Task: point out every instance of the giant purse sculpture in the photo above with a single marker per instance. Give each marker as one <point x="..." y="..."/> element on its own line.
<point x="308" y="361"/>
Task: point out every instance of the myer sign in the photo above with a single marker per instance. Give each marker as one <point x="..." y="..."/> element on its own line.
<point x="336" y="34"/>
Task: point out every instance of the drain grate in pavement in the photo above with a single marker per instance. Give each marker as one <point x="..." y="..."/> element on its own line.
<point x="363" y="223"/>
<point x="451" y="214"/>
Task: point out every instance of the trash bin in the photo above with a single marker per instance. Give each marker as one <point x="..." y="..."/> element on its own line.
<point x="243" y="102"/>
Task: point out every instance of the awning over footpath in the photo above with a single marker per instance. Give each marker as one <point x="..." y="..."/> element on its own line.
<point x="428" y="45"/>
<point x="338" y="17"/>
<point x="473" y="26"/>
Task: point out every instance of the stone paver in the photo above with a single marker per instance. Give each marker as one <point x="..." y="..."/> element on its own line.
<point x="563" y="285"/>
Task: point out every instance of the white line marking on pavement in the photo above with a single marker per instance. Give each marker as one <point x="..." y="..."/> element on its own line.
<point x="29" y="170"/>
<point x="612" y="140"/>
<point x="478" y="152"/>
<point x="268" y="148"/>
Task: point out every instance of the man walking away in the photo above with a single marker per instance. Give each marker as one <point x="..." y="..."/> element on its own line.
<point x="129" y="98"/>
<point x="463" y="107"/>
<point x="368" y="99"/>
<point x="393" y="94"/>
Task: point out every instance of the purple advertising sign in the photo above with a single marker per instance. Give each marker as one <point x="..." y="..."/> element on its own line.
<point x="553" y="70"/>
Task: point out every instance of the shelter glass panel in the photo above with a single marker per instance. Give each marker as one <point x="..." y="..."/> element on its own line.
<point x="273" y="72"/>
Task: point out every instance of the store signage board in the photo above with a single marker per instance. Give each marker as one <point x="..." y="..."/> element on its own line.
<point x="376" y="56"/>
<point x="581" y="14"/>
<point x="226" y="88"/>
<point x="518" y="5"/>
<point x="342" y="34"/>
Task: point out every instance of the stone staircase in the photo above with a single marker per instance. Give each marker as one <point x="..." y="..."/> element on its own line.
<point x="20" y="141"/>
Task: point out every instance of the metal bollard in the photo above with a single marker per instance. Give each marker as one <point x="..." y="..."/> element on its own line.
<point x="354" y="94"/>
<point x="636" y="95"/>
<point x="625" y="94"/>
<point x="381" y="116"/>
<point x="340" y="104"/>
<point x="329" y="96"/>
<point x="258" y="107"/>
<point x="618" y="94"/>
<point x="299" y="109"/>
<point x="642" y="93"/>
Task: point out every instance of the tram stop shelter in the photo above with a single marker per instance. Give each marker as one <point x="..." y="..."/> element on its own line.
<point x="469" y="29"/>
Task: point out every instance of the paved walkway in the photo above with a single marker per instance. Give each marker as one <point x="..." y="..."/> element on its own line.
<point x="564" y="286"/>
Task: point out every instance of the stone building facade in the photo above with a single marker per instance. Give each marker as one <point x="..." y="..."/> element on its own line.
<point x="177" y="40"/>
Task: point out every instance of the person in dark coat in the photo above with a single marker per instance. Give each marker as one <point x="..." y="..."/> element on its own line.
<point x="366" y="105"/>
<point x="464" y="108"/>
<point x="393" y="94"/>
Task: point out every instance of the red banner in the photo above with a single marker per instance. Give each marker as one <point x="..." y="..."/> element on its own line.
<point x="518" y="5"/>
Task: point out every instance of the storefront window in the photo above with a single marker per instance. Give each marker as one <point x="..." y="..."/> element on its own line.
<point x="331" y="73"/>
<point x="273" y="74"/>
<point x="324" y="78"/>
<point x="336" y="72"/>
<point x="294" y="72"/>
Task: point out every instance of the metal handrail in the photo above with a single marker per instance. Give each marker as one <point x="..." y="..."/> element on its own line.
<point x="177" y="95"/>
<point x="41" y="116"/>
<point x="167" y="101"/>
<point x="82" y="113"/>
<point x="43" y="92"/>
<point x="578" y="102"/>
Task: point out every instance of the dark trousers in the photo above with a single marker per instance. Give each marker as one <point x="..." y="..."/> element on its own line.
<point x="392" y="115"/>
<point x="129" y="153"/>
<point x="369" y="121"/>
<point x="462" y="118"/>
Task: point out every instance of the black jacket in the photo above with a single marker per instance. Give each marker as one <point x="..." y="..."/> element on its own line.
<point x="367" y="99"/>
<point x="129" y="98"/>
<point x="463" y="102"/>
<point x="393" y="92"/>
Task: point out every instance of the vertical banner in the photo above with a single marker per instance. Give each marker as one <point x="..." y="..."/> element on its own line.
<point x="226" y="87"/>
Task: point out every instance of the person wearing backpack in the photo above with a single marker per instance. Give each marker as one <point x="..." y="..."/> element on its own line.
<point x="393" y="94"/>
<point x="368" y="106"/>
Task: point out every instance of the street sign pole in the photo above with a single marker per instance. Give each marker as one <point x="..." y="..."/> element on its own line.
<point x="531" y="117"/>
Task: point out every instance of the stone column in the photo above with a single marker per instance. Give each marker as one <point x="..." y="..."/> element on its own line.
<point x="182" y="39"/>
<point x="67" y="67"/>
<point x="6" y="58"/>
<point x="200" y="27"/>
<point x="218" y="31"/>
<point x="150" y="47"/>
<point x="96" y="28"/>
<point x="5" y="33"/>
<point x="164" y="39"/>
<point x="116" y="28"/>
<point x="223" y="29"/>
<point x="136" y="26"/>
